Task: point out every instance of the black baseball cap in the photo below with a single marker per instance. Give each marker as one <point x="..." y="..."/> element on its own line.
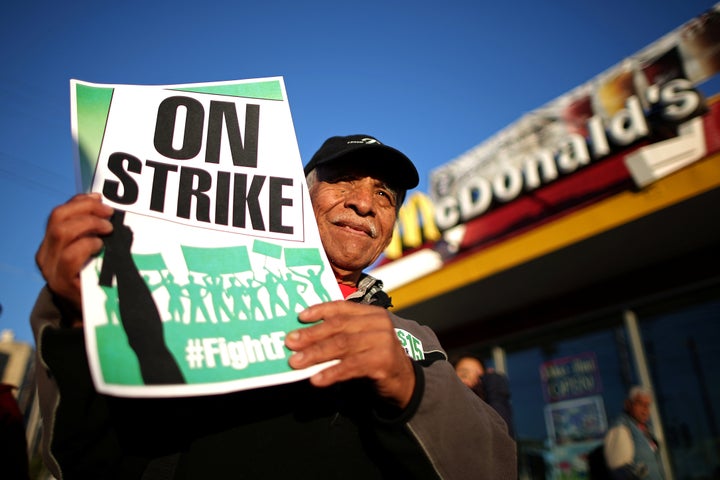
<point x="369" y="152"/>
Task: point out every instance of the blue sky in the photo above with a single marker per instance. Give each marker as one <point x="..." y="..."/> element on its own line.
<point x="433" y="79"/>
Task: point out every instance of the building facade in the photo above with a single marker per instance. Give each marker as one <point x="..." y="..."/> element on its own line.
<point x="17" y="370"/>
<point x="578" y="250"/>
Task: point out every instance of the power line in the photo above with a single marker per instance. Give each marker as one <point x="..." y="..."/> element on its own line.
<point x="32" y="180"/>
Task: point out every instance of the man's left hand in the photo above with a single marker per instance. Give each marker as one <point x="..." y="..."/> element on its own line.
<point x="363" y="339"/>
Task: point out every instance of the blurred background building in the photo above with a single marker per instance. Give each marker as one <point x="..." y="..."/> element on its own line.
<point x="17" y="379"/>
<point x="577" y="251"/>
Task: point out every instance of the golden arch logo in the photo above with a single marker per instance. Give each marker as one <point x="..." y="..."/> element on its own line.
<point x="416" y="223"/>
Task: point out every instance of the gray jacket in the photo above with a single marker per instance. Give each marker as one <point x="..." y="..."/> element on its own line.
<point x="295" y="429"/>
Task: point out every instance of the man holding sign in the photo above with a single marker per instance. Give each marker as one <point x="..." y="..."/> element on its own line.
<point x="389" y="404"/>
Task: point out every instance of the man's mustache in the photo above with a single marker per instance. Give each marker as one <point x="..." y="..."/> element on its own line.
<point x="356" y="223"/>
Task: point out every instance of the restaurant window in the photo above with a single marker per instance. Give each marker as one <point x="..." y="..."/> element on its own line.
<point x="568" y="384"/>
<point x="681" y="338"/>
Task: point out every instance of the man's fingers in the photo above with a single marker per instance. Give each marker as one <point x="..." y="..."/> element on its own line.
<point x="389" y="369"/>
<point x="355" y="366"/>
<point x="361" y="354"/>
<point x="82" y="215"/>
<point x="338" y="316"/>
<point x="363" y="339"/>
<point x="339" y="346"/>
<point x="72" y="236"/>
<point x="81" y="204"/>
<point x="327" y="310"/>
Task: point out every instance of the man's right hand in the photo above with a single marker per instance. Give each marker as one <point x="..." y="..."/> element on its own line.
<point x="72" y="236"/>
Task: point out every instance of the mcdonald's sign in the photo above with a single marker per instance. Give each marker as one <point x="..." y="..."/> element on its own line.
<point x="415" y="225"/>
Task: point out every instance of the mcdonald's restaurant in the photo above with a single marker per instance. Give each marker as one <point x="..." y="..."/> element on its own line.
<point x="577" y="252"/>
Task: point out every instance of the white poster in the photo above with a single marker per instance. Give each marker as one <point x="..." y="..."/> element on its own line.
<point x="215" y="247"/>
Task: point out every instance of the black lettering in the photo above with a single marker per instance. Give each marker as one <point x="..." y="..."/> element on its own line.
<point x="222" y="198"/>
<point x="187" y="190"/>
<point x="243" y="197"/>
<point x="243" y="154"/>
<point x="116" y="164"/>
<point x="159" y="185"/>
<point x="277" y="201"/>
<point x="165" y="128"/>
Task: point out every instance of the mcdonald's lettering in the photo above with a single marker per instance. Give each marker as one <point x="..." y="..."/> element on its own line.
<point x="415" y="225"/>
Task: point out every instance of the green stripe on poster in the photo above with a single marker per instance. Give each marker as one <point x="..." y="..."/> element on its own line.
<point x="93" y="107"/>
<point x="270" y="90"/>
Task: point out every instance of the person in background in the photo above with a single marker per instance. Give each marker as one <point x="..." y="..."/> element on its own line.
<point x="375" y="413"/>
<point x="631" y="451"/>
<point x="487" y="384"/>
<point x="13" y="445"/>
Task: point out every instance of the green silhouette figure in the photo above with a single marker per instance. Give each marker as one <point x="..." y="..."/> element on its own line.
<point x="112" y="304"/>
<point x="252" y="290"/>
<point x="294" y="290"/>
<point x="197" y="292"/>
<point x="237" y="291"/>
<point x="216" y="288"/>
<point x="273" y="284"/>
<point x="175" y="292"/>
<point x="151" y="286"/>
<point x="316" y="281"/>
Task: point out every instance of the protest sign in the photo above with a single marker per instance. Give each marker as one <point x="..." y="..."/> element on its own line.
<point x="215" y="247"/>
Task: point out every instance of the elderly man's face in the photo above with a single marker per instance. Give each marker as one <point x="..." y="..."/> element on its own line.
<point x="639" y="408"/>
<point x="356" y="214"/>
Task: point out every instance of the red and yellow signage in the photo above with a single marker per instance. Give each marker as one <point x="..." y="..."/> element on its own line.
<point x="625" y="129"/>
<point x="598" y="135"/>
